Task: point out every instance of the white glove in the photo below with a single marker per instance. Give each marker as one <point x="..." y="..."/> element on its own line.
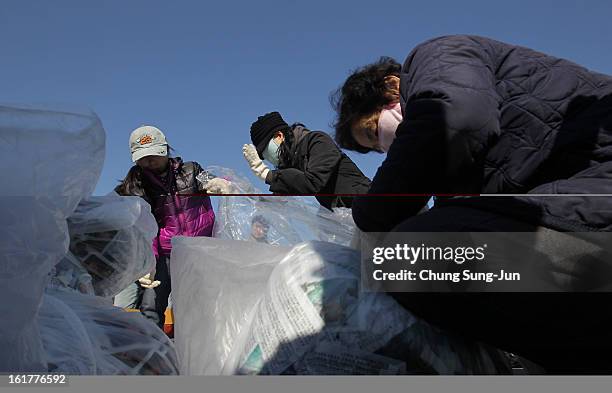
<point x="257" y="166"/>
<point x="218" y="186"/>
<point x="148" y="282"/>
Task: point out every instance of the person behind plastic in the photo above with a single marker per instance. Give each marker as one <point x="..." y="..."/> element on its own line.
<point x="306" y="162"/>
<point x="259" y="229"/>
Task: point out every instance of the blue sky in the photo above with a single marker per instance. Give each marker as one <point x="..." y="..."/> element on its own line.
<point x="203" y="71"/>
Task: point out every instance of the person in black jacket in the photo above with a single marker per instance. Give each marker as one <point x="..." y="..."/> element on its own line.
<point x="470" y="115"/>
<point x="481" y="116"/>
<point x="307" y="162"/>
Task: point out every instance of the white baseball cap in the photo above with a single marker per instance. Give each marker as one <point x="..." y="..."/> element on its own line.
<point x="147" y="141"/>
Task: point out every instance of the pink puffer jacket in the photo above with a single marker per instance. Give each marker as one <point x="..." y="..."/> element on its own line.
<point x="178" y="211"/>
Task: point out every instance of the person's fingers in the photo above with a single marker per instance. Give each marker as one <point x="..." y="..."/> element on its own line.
<point x="250" y="150"/>
<point x="152" y="284"/>
<point x="146" y="280"/>
<point x="217" y="186"/>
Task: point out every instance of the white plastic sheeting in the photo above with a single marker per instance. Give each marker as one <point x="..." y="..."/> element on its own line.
<point x="51" y="160"/>
<point x="249" y="308"/>
<point x="32" y="240"/>
<point x="54" y="154"/>
<point x="215" y="283"/>
<point x="110" y="237"/>
<point x="289" y="220"/>
<point x="86" y="335"/>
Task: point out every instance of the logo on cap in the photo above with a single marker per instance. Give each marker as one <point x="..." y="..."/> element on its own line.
<point x="145" y="139"/>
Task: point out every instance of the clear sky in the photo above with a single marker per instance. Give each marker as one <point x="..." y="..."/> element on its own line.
<point x="203" y="71"/>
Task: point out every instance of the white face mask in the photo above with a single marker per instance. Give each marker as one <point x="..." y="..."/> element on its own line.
<point x="389" y="119"/>
<point x="271" y="153"/>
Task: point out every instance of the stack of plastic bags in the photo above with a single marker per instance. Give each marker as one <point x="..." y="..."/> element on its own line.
<point x="60" y="248"/>
<point x="86" y="335"/>
<point x="249" y="308"/>
<point x="110" y="237"/>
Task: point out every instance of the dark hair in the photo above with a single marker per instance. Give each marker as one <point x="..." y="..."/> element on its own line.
<point x="261" y="220"/>
<point x="132" y="185"/>
<point x="284" y="150"/>
<point x="363" y="92"/>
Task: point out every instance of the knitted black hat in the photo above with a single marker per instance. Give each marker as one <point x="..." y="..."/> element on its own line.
<point x="264" y="129"/>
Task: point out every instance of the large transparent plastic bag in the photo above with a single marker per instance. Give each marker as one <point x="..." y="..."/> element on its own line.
<point x="215" y="284"/>
<point x="110" y="236"/>
<point x="50" y="152"/>
<point x="285" y="220"/>
<point x="50" y="159"/>
<point x="33" y="239"/>
<point x="248" y="308"/>
<point x="85" y="335"/>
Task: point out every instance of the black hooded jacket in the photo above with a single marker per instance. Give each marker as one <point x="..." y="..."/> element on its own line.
<point x="482" y="116"/>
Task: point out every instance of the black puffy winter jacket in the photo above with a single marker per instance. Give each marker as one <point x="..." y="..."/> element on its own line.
<point x="482" y="116"/>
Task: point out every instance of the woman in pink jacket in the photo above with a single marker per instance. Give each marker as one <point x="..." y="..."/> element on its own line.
<point x="169" y="185"/>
